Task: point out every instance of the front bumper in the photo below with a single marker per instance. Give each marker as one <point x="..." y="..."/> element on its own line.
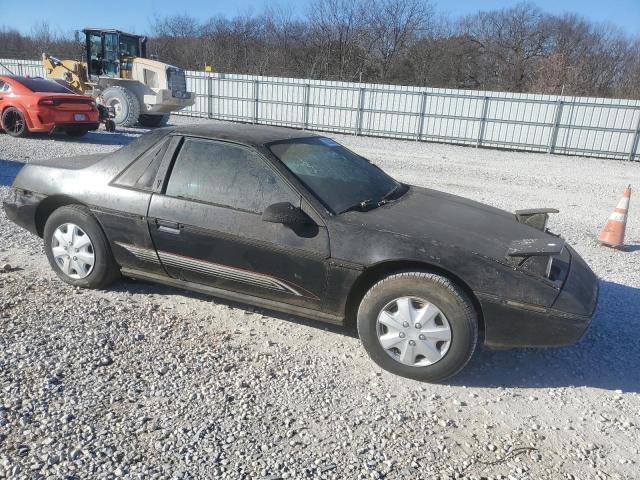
<point x="164" y="102"/>
<point x="512" y="324"/>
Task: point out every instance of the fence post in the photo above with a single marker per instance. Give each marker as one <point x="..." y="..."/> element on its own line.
<point x="360" y="111"/>
<point x="20" y="70"/>
<point x="483" y="120"/>
<point x="636" y="140"/>
<point x="307" y="94"/>
<point x="423" y="108"/>
<point x="210" y="96"/>
<point x="556" y="126"/>
<point x="256" y="99"/>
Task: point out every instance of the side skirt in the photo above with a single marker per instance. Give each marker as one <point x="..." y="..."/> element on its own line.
<point x="235" y="296"/>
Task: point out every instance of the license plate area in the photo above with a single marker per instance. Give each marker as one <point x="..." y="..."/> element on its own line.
<point x="79" y="117"/>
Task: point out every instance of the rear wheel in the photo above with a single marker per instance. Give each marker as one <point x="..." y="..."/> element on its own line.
<point x="13" y="122"/>
<point x="153" y="120"/>
<point x="418" y="325"/>
<point x="125" y="105"/>
<point x="77" y="248"/>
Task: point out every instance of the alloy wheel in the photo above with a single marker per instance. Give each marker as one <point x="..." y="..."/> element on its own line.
<point x="13" y="122"/>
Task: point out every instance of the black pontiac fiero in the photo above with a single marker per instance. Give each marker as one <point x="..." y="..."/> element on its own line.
<point x="294" y="222"/>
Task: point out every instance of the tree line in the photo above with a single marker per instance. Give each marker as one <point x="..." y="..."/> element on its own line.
<point x="407" y="42"/>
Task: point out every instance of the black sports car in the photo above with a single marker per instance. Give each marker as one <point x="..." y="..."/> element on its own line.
<point x="295" y="222"/>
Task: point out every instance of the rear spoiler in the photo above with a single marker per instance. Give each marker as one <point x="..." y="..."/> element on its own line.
<point x="535" y="217"/>
<point x="535" y="247"/>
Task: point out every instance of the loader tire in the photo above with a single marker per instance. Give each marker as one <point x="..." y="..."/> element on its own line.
<point x="125" y="103"/>
<point x="153" y="120"/>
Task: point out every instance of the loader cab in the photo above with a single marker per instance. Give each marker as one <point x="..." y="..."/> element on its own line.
<point x="110" y="53"/>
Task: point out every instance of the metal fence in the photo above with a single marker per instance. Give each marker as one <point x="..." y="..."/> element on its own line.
<point x="599" y="127"/>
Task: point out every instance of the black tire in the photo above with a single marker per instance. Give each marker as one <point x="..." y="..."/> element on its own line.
<point x="13" y="122"/>
<point x="105" y="270"/>
<point x="153" y="120"/>
<point x="129" y="111"/>
<point x="76" y="131"/>
<point x="441" y="292"/>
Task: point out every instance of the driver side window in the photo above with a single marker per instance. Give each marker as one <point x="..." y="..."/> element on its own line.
<point x="95" y="54"/>
<point x="227" y="175"/>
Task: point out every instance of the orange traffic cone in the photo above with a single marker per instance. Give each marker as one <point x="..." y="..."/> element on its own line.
<point x="612" y="234"/>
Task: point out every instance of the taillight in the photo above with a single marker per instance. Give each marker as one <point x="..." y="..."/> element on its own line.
<point x="49" y="102"/>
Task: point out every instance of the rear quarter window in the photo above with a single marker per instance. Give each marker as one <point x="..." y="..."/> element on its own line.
<point x="142" y="173"/>
<point x="137" y="147"/>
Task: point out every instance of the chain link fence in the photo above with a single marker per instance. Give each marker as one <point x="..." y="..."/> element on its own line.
<point x="599" y="127"/>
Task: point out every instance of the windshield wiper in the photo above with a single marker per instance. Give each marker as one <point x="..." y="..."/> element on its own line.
<point x="362" y="206"/>
<point x="366" y="205"/>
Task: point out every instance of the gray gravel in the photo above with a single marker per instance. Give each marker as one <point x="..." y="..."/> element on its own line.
<point x="146" y="381"/>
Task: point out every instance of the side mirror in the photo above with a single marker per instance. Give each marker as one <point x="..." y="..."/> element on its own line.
<point x="286" y="214"/>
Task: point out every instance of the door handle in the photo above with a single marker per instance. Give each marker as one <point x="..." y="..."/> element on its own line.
<point x="168" y="227"/>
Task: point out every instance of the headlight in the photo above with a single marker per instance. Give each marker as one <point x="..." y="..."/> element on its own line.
<point x="538" y="265"/>
<point x="553" y="267"/>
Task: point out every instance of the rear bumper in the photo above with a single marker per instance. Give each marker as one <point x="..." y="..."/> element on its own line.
<point x="48" y="120"/>
<point x="21" y="207"/>
<point x="511" y="324"/>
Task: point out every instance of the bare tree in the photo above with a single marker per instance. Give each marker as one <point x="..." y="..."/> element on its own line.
<point x="630" y="82"/>
<point x="336" y="31"/>
<point x="394" y="41"/>
<point x="511" y="42"/>
<point x="392" y="26"/>
<point x="177" y="37"/>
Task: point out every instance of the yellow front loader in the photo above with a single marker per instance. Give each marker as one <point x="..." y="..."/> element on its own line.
<point x="72" y="72"/>
<point x="119" y="75"/>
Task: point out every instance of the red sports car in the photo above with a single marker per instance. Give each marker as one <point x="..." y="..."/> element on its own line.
<point x="34" y="104"/>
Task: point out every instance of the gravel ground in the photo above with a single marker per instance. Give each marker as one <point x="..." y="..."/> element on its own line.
<point x="147" y="381"/>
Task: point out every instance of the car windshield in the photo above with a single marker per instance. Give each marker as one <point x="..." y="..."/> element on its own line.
<point x="339" y="178"/>
<point x="37" y="84"/>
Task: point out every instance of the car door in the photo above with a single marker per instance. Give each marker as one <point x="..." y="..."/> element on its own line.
<point x="207" y="226"/>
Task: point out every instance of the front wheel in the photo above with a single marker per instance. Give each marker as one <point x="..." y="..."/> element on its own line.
<point x="125" y="105"/>
<point x="153" y="120"/>
<point x="418" y="325"/>
<point x="77" y="248"/>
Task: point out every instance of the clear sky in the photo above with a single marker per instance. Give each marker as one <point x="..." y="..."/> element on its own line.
<point x="137" y="15"/>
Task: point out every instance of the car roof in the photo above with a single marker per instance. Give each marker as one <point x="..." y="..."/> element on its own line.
<point x="30" y="82"/>
<point x="247" y="134"/>
<point x="17" y="78"/>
